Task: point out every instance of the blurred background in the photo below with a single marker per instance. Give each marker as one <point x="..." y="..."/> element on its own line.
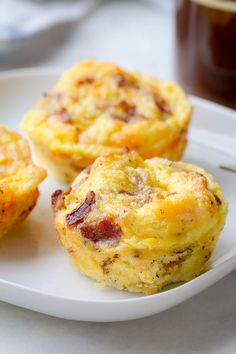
<point x="191" y="41"/>
<point x="135" y="34"/>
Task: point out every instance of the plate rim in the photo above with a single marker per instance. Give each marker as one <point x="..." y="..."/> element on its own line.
<point x="230" y="262"/>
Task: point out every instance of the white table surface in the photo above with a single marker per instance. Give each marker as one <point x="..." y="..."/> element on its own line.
<point x="140" y="36"/>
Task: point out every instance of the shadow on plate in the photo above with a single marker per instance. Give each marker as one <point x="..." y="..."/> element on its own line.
<point x="25" y="241"/>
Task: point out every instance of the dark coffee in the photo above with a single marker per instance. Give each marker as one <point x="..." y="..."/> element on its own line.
<point x="206" y="48"/>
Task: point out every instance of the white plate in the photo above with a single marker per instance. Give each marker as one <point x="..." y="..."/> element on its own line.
<point x="34" y="270"/>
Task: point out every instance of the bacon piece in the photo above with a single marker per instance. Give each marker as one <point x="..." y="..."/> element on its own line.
<point x="104" y="230"/>
<point x="87" y="80"/>
<point x="78" y="215"/>
<point x="125" y="82"/>
<point x="218" y="200"/>
<point x="56" y="199"/>
<point x="122" y="82"/>
<point x="63" y="115"/>
<point x="130" y="109"/>
<point x="163" y="105"/>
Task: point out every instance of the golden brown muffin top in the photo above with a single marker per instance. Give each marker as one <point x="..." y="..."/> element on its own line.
<point x="98" y="103"/>
<point x="148" y="204"/>
<point x="16" y="167"/>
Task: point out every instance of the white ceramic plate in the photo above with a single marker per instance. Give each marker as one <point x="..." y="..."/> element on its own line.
<point x="34" y="270"/>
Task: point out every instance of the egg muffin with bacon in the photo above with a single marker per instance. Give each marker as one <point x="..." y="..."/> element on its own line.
<point x="19" y="180"/>
<point x="97" y="108"/>
<point x="139" y="224"/>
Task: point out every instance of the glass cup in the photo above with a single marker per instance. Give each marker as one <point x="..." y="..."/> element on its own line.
<point x="206" y="48"/>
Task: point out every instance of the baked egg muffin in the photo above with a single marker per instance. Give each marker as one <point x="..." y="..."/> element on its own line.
<point x="139" y="224"/>
<point x="97" y="108"/>
<point x="19" y="180"/>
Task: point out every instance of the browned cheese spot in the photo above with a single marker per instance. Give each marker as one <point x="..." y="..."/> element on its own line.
<point x="163" y="105"/>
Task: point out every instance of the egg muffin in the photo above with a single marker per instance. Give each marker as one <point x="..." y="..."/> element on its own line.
<point x="97" y="108"/>
<point x="139" y="224"/>
<point x="19" y="180"/>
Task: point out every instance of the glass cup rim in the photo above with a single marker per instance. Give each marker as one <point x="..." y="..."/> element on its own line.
<point x="226" y="5"/>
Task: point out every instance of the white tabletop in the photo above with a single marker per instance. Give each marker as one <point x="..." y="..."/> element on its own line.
<point x="137" y="35"/>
